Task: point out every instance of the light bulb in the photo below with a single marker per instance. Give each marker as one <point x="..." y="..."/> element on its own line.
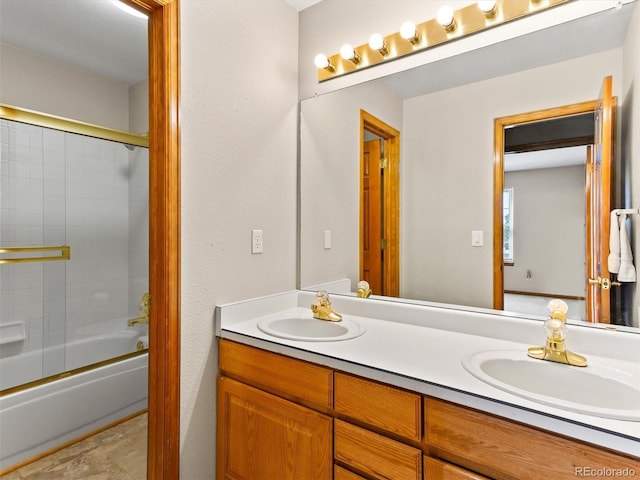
<point x="408" y="32"/>
<point x="347" y="52"/>
<point x="487" y="6"/>
<point x="445" y="16"/>
<point x="321" y="60"/>
<point x="376" y="42"/>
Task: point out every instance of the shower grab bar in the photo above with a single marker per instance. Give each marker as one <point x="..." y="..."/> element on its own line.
<point x="65" y="254"/>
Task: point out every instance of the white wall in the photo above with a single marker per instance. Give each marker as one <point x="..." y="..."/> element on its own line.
<point x="37" y="83"/>
<point x="630" y="115"/>
<point x="330" y="177"/>
<point x="549" y="231"/>
<point x="238" y="135"/>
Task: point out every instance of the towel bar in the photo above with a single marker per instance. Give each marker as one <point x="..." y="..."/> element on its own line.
<point x="65" y="254"/>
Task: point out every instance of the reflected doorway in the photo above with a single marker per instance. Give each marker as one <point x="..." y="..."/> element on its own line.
<point x="570" y="201"/>
<point x="379" y="205"/>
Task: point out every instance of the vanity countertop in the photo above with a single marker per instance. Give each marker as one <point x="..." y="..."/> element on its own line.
<point x="419" y="348"/>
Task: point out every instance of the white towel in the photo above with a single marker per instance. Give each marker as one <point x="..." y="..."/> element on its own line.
<point x="614" y="244"/>
<point x="627" y="271"/>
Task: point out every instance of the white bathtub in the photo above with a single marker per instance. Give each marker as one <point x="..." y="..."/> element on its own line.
<point x="38" y="419"/>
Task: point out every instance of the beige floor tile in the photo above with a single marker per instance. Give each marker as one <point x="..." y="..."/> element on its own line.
<point x="119" y="453"/>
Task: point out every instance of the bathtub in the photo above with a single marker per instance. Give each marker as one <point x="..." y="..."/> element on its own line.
<point x="38" y="419"/>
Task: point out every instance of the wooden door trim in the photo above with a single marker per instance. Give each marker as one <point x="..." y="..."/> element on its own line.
<point x="391" y="200"/>
<point x="498" y="179"/>
<point x="163" y="452"/>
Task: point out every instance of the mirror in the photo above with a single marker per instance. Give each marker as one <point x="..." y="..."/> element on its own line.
<point x="444" y="113"/>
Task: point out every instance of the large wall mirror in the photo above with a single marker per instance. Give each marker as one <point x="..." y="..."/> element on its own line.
<point x="444" y="114"/>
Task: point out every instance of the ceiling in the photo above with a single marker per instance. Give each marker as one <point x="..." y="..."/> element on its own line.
<point x="93" y="35"/>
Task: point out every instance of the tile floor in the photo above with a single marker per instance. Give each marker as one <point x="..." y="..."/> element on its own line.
<point x="119" y="453"/>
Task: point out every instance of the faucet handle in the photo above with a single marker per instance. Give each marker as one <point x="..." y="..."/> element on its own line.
<point x="363" y="290"/>
<point x="558" y="309"/>
<point x="322" y="298"/>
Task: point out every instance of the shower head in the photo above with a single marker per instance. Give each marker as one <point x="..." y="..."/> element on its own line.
<point x="129" y="146"/>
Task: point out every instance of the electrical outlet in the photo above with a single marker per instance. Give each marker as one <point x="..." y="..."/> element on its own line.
<point x="256" y="241"/>
<point x="327" y="239"/>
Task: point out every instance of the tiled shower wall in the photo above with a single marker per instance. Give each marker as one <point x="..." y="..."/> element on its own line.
<point x="61" y="188"/>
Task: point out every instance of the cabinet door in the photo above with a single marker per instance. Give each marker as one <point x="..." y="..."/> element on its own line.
<point x="261" y="436"/>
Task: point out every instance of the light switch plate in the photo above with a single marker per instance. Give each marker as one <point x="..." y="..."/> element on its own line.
<point x="327" y="239"/>
<point x="477" y="238"/>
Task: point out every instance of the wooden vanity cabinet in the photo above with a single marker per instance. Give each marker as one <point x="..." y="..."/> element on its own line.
<point x="279" y="417"/>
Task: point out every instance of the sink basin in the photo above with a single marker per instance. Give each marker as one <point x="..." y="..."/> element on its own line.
<point x="597" y="389"/>
<point x="309" y="329"/>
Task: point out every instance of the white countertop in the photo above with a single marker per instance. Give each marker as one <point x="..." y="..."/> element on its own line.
<point x="415" y="352"/>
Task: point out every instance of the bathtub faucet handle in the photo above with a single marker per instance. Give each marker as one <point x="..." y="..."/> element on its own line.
<point x="145" y="304"/>
<point x="145" y="308"/>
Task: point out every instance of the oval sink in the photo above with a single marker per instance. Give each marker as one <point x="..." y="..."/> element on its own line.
<point x="309" y="329"/>
<point x="596" y="389"/>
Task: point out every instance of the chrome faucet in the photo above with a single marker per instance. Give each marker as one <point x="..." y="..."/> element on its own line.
<point x="322" y="310"/>
<point x="145" y="307"/>
<point x="554" y="349"/>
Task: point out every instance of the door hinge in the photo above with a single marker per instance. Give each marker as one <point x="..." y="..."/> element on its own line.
<point x="383" y="244"/>
<point x="383" y="163"/>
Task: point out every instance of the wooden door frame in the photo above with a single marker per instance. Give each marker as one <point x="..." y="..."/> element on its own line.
<point x="391" y="200"/>
<point x="163" y="446"/>
<point x="498" y="179"/>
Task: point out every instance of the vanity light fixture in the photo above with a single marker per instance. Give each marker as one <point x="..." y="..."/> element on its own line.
<point x="323" y="62"/>
<point x="348" y="53"/>
<point x="376" y="42"/>
<point x="488" y="7"/>
<point x="445" y="18"/>
<point x="414" y="38"/>
<point x="408" y="32"/>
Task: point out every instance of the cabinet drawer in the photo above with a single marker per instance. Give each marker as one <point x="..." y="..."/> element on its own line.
<point x="302" y="382"/>
<point x="340" y="473"/>
<point x="375" y="455"/>
<point x="390" y="409"/>
<point x="438" y="470"/>
<point x="501" y="448"/>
